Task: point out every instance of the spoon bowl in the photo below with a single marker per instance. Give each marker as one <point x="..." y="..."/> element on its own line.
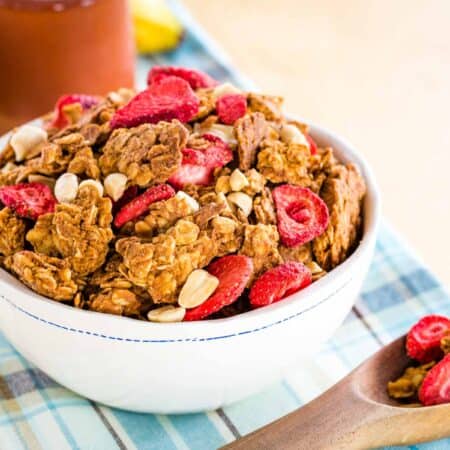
<point x="356" y="413"/>
<point x="388" y="364"/>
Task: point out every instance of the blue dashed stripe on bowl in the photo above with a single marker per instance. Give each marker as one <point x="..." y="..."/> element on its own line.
<point x="165" y="341"/>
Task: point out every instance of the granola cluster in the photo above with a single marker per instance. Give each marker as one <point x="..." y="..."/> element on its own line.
<point x="147" y="154"/>
<point x="12" y="232"/>
<point x="145" y="193"/>
<point x="48" y="276"/>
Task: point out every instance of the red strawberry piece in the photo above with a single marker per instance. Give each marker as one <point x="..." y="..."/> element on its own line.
<point x="424" y="339"/>
<point x="29" y="200"/>
<point x="279" y="282"/>
<point x="198" y="164"/>
<point x="193" y="156"/>
<point x="195" y="78"/>
<point x="191" y="174"/>
<point x="435" y="388"/>
<point x="231" y="107"/>
<point x="312" y="144"/>
<point x="233" y="272"/>
<point x="139" y="205"/>
<point x="130" y="193"/>
<point x="170" y="98"/>
<point x="301" y="214"/>
<point x="216" y="155"/>
<point x="219" y="153"/>
<point x="60" y="119"/>
<point x="212" y="138"/>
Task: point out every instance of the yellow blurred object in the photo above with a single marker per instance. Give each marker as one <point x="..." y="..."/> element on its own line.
<point x="156" y="27"/>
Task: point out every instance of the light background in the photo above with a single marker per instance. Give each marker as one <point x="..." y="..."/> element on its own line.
<point x="378" y="73"/>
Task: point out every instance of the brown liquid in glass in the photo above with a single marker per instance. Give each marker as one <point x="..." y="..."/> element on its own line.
<point x="54" y="47"/>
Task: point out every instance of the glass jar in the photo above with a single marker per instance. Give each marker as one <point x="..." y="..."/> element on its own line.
<point x="54" y="47"/>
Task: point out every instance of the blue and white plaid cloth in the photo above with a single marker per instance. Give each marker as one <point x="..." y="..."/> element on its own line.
<point x="37" y="413"/>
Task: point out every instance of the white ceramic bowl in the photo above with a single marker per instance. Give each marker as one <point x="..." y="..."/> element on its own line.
<point x="194" y="366"/>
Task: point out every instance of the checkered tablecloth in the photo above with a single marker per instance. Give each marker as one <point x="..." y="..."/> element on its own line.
<point x="37" y="413"/>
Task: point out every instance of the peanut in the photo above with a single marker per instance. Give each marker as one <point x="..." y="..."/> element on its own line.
<point x="292" y="135"/>
<point x="115" y="184"/>
<point x="198" y="287"/>
<point x="242" y="201"/>
<point x="190" y="200"/>
<point x="166" y="314"/>
<point x="25" y="139"/>
<point x="238" y="180"/>
<point x="66" y="188"/>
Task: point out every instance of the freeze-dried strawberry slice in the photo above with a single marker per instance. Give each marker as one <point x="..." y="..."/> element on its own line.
<point x="29" y="200"/>
<point x="435" y="388"/>
<point x="170" y="98"/>
<point x="139" y="205"/>
<point x="423" y="341"/>
<point x="216" y="155"/>
<point x="212" y="138"/>
<point x="191" y="174"/>
<point x="198" y="164"/>
<point x="301" y="214"/>
<point x="60" y="120"/>
<point x="233" y="272"/>
<point x="312" y="144"/>
<point x="231" y="107"/>
<point x="279" y="282"/>
<point x="219" y="154"/>
<point x="193" y="156"/>
<point x="195" y="78"/>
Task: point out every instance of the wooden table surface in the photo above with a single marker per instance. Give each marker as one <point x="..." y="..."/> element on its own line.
<point x="376" y="72"/>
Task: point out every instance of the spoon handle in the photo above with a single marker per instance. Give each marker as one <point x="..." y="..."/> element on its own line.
<point x="338" y="419"/>
<point x="354" y="414"/>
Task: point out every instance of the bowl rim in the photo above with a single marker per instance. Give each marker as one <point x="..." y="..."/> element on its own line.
<point x="269" y="315"/>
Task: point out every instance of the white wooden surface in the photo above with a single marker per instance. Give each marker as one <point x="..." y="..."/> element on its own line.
<point x="377" y="72"/>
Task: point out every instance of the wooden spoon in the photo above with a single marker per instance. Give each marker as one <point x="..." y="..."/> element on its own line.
<point x="356" y="413"/>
